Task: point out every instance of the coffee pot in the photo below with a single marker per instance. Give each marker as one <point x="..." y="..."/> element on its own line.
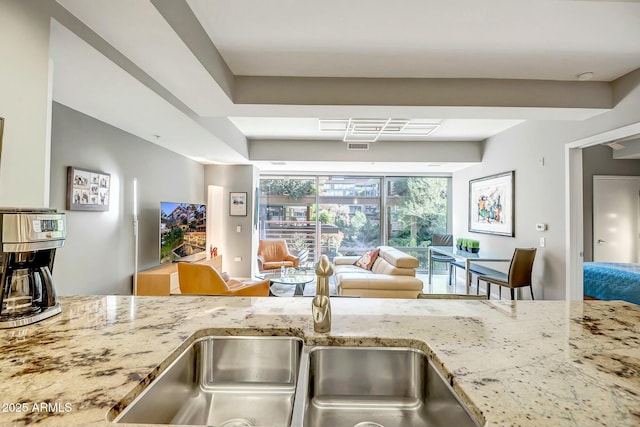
<point x="28" y="242"/>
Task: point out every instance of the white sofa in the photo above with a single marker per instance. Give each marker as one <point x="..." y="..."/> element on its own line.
<point x="392" y="276"/>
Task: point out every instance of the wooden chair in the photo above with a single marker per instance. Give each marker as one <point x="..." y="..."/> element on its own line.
<point x="519" y="273"/>
<point x="274" y="253"/>
<point x="202" y="279"/>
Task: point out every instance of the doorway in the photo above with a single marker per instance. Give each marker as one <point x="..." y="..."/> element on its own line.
<point x="574" y="247"/>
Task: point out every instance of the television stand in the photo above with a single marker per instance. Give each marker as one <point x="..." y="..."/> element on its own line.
<point x="163" y="279"/>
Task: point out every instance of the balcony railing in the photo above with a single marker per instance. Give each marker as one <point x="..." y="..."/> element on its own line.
<point x="287" y="229"/>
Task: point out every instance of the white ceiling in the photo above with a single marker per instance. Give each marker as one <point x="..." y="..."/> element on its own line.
<point x="548" y="40"/>
<point x="132" y="69"/>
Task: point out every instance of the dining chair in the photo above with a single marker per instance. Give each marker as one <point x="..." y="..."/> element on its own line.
<point x="519" y="273"/>
<point x="202" y="279"/>
<point x="442" y="240"/>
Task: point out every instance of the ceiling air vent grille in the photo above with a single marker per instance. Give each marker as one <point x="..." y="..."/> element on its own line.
<point x="357" y="146"/>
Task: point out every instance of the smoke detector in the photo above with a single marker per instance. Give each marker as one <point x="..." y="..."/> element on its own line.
<point x="583" y="77"/>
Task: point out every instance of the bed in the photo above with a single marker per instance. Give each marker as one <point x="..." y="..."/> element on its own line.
<point x="612" y="281"/>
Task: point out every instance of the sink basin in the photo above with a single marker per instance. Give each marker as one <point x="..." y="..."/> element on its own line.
<point x="375" y="387"/>
<point x="223" y="382"/>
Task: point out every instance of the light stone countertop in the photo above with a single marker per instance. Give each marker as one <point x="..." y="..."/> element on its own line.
<point x="524" y="363"/>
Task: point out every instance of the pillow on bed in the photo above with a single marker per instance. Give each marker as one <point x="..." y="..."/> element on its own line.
<point x="366" y="261"/>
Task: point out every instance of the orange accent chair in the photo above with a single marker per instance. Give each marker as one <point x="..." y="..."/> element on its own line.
<point x="274" y="253"/>
<point x="202" y="279"/>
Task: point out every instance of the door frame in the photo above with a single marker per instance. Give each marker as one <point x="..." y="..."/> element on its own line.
<point x="574" y="243"/>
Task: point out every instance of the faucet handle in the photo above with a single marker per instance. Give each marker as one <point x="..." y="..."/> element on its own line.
<point x="324" y="267"/>
<point x="320" y="306"/>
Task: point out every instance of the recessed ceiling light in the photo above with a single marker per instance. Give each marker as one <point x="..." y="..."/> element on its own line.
<point x="585" y="76"/>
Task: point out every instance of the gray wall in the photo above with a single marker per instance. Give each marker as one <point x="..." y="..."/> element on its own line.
<point x="540" y="190"/>
<point x="98" y="257"/>
<point x="235" y="178"/>
<point x="597" y="160"/>
<point x="538" y="198"/>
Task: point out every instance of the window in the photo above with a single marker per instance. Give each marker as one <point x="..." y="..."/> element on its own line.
<point x="285" y="211"/>
<point x="349" y="214"/>
<point x="343" y="215"/>
<point x="417" y="208"/>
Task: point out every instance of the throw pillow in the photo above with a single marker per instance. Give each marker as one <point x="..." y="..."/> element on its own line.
<point x="365" y="261"/>
<point x="374" y="257"/>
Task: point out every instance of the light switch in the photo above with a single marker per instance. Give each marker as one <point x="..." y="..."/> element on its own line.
<point x="238" y="229"/>
<point x="237" y="259"/>
<point x="542" y="242"/>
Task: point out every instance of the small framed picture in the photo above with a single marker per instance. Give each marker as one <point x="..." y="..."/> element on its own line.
<point x="238" y="204"/>
<point x="87" y="190"/>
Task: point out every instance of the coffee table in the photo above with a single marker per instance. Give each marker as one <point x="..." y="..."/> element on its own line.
<point x="297" y="277"/>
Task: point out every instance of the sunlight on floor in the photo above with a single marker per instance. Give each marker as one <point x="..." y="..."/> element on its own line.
<point x="440" y="284"/>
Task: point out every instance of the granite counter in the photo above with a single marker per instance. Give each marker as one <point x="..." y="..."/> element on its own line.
<point x="523" y="363"/>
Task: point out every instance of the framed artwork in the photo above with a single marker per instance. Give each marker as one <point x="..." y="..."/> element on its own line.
<point x="491" y="204"/>
<point x="238" y="204"/>
<point x="87" y="190"/>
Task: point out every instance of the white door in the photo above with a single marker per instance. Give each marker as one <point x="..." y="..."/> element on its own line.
<point x="616" y="205"/>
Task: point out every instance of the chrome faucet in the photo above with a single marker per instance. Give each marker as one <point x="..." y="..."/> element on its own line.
<point x="320" y="306"/>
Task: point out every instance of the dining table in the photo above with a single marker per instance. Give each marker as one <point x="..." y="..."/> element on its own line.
<point x="466" y="257"/>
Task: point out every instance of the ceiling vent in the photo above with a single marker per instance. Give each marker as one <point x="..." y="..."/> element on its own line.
<point x="357" y="146"/>
<point x="370" y="130"/>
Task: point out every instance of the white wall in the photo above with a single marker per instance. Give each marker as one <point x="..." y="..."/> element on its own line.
<point x="24" y="103"/>
<point x="540" y="189"/>
<point x="98" y="254"/>
<point x="235" y="178"/>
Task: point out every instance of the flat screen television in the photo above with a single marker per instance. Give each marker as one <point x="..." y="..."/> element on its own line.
<point x="183" y="231"/>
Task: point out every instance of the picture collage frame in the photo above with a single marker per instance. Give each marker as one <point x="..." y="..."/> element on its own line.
<point x="88" y="190"/>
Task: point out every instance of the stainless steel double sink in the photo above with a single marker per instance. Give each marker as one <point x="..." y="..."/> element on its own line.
<point x="279" y="382"/>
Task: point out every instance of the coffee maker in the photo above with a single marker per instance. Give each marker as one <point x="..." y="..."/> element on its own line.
<point x="28" y="242"/>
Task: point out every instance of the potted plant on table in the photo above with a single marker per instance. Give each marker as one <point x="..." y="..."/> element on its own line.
<point x="459" y="243"/>
<point x="473" y="246"/>
<point x="299" y="247"/>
